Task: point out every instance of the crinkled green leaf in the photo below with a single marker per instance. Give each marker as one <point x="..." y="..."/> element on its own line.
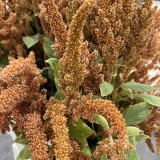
<point x="80" y="131"/>
<point x="138" y="87"/>
<point x="133" y="131"/>
<point x="47" y="47"/>
<point x="21" y="140"/>
<point x="30" y="40"/>
<point x="150" y="99"/>
<point x="98" y="119"/>
<point x="24" y="154"/>
<point x="106" y="88"/>
<point x="137" y="113"/>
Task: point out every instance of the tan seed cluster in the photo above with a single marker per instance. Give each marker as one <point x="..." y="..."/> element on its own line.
<point x="71" y="69"/>
<point x="55" y="113"/>
<point x="35" y="134"/>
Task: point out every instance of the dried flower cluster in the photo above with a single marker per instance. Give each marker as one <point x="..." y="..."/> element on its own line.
<point x="93" y="74"/>
<point x="152" y="55"/>
<point x="10" y="32"/>
<point x="22" y="101"/>
<point x="116" y="26"/>
<point x="86" y="109"/>
<point x="96" y="43"/>
<point x="35" y="134"/>
<point x="57" y="26"/>
<point x="55" y="112"/>
<point x="146" y="66"/>
<point x="71" y="77"/>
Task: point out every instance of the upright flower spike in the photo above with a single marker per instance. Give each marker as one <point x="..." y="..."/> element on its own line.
<point x="55" y="113"/>
<point x="71" y="69"/>
<point x="108" y="33"/>
<point x="136" y="42"/>
<point x="151" y="52"/>
<point x="57" y="25"/>
<point x="35" y="134"/>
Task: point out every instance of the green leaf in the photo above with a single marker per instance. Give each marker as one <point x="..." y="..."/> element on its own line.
<point x="117" y="66"/>
<point x="132" y="140"/>
<point x="21" y="140"/>
<point x="24" y="154"/>
<point x="80" y="131"/>
<point x="121" y="76"/>
<point x="53" y="62"/>
<point x="137" y="113"/>
<point x="85" y="148"/>
<point x="98" y="119"/>
<point x="59" y="95"/>
<point x="3" y="58"/>
<point x="106" y="88"/>
<point x="30" y="40"/>
<point x="47" y="47"/>
<point x="132" y="71"/>
<point x="133" y="131"/>
<point x="126" y="92"/>
<point x="51" y="74"/>
<point x="138" y="87"/>
<point x="132" y="155"/>
<point x="141" y="137"/>
<point x="152" y="100"/>
<point x="103" y="157"/>
<point x="17" y="133"/>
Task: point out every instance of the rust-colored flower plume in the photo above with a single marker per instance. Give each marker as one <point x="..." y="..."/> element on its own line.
<point x="87" y="108"/>
<point x="22" y="100"/>
<point x="71" y="69"/>
<point x="57" y="25"/>
<point x="61" y="146"/>
<point x="35" y="134"/>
